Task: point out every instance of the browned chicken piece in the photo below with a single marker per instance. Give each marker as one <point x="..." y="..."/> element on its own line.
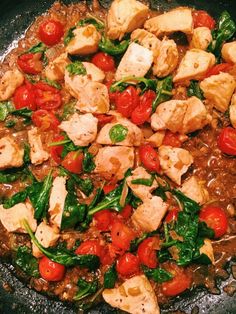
<point x="55" y="71"/>
<point x="9" y="83"/>
<point x="195" y="190"/>
<point x="228" y="52"/>
<point x="11" y="153"/>
<point x="37" y="153"/>
<point x="201" y="38"/>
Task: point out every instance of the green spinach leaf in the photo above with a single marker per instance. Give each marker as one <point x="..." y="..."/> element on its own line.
<point x="118" y="133"/>
<point x="76" y="68"/>
<point x="89" y="20"/>
<point x="27" y="262"/>
<point x="142" y="82"/>
<point x="158" y="274"/>
<point x="110" y="277"/>
<point x="17" y="198"/>
<point x="69" y="35"/>
<point x="52" y="83"/>
<point x="88" y="162"/>
<point x="189" y="205"/>
<point x="195" y="90"/>
<point x="163" y="90"/>
<point x="113" y="48"/>
<point x="147" y="182"/>
<point x="6" y="107"/>
<point x="85" y="289"/>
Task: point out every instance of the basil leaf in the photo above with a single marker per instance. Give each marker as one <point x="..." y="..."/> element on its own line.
<point x="110" y="277"/>
<point x="195" y="90"/>
<point x="147" y="182"/>
<point x="113" y="48"/>
<point x="85" y="289"/>
<point x="6" y="107"/>
<point x="118" y="133"/>
<point x="27" y="262"/>
<point x="88" y="162"/>
<point x="76" y="68"/>
<point x="164" y="91"/>
<point x="99" y="25"/>
<point x="69" y="35"/>
<point x="158" y="274"/>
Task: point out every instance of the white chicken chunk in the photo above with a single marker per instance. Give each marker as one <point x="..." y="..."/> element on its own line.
<point x="57" y="201"/>
<point x="11" y="155"/>
<point x="136" y="61"/>
<point x="85" y="41"/>
<point x="174" y="162"/>
<point x="195" y="190"/>
<point x="207" y="249"/>
<point x="201" y="38"/>
<point x="134" y="136"/>
<point x="9" y="83"/>
<point x="157" y="138"/>
<point x="140" y="190"/>
<point x="166" y="59"/>
<point x="12" y="218"/>
<point x="228" y="52"/>
<point x="146" y="39"/>
<point x="37" y="153"/>
<point x="46" y="236"/>
<point x="81" y="129"/>
<point x="114" y="160"/>
<point x="218" y="90"/>
<point x="194" y="65"/>
<point x="124" y="16"/>
<point x="55" y="71"/>
<point x="177" y="20"/>
<point x="232" y="111"/>
<point x="135" y="296"/>
<point x="148" y="216"/>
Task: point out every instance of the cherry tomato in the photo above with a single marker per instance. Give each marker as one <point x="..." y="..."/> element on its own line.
<point x="127" y="101"/>
<point x="202" y="18"/>
<point x="45" y="120"/>
<point x="126" y="211"/>
<point x="171" y="139"/>
<point x="56" y="151"/>
<point x="179" y="283"/>
<point x="92" y="247"/>
<point x="104" y="62"/>
<point x="107" y="258"/>
<point x="143" y="111"/>
<point x="147" y="252"/>
<point x="103" y="119"/>
<point x="227" y="141"/>
<point x="172" y="215"/>
<point x="114" y="95"/>
<point x="215" y="218"/>
<point x="108" y="188"/>
<point x="128" y="264"/>
<point x="121" y="235"/>
<point x="30" y="63"/>
<point x="149" y="158"/>
<point x="50" y="32"/>
<point x="51" y="271"/>
<point x="222" y="67"/>
<point x="47" y="97"/>
<point x="103" y="220"/>
<point x="73" y="162"/>
<point x="24" y="97"/>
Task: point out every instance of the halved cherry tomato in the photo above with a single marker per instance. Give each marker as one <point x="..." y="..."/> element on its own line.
<point x="127" y="101"/>
<point x="47" y="97"/>
<point x="92" y="247"/>
<point x="103" y="119"/>
<point x="73" y="162"/>
<point x="107" y="258"/>
<point x="103" y="219"/>
<point x="143" y="111"/>
<point x="215" y="218"/>
<point x="121" y="235"/>
<point x="149" y="158"/>
<point x="147" y="252"/>
<point x="179" y="283"/>
<point x="227" y="141"/>
<point x="50" y="32"/>
<point x="222" y="67"/>
<point x="57" y="150"/>
<point x="172" y="215"/>
<point x="202" y="18"/>
<point x="51" y="271"/>
<point x="108" y="188"/>
<point x="171" y="139"/>
<point x="128" y="265"/>
<point x="112" y="96"/>
<point x="45" y="120"/>
<point x="24" y="97"/>
<point x="104" y="61"/>
<point x="30" y="63"/>
<point x="126" y="211"/>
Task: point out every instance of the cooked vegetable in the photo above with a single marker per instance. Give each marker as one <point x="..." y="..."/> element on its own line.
<point x="98" y="24"/>
<point x="113" y="48"/>
<point x="6" y="107"/>
<point x="147" y="182"/>
<point x="158" y="274"/>
<point x="195" y="90"/>
<point x="76" y="68"/>
<point x="88" y="162"/>
<point x="50" y="270"/>
<point x="110" y="277"/>
<point x="118" y="133"/>
<point x="85" y="289"/>
<point x="163" y="90"/>
<point x="27" y="262"/>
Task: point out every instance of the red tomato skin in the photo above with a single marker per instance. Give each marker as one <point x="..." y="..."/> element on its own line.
<point x="126" y="211"/>
<point x="121" y="235"/>
<point x="108" y="188"/>
<point x="47" y="97"/>
<point x="147" y="253"/>
<point x="215" y="218"/>
<point x="202" y="18"/>
<point x="103" y="220"/>
<point x="149" y="158"/>
<point x="50" y="32"/>
<point x="30" y="63"/>
<point x="171" y="139"/>
<point x="103" y="119"/>
<point x="227" y="141"/>
<point x="92" y="247"/>
<point x="73" y="162"/>
<point x="106" y="258"/>
<point x="222" y="67"/>
<point x="143" y="111"/>
<point x="51" y="271"/>
<point x="127" y="101"/>
<point x="104" y="62"/>
<point x="56" y="151"/>
<point x="24" y="97"/>
<point x="45" y="120"/>
<point x="172" y="215"/>
<point x="179" y="283"/>
<point x="128" y="265"/>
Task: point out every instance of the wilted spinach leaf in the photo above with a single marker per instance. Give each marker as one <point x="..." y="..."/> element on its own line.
<point x="195" y="90"/>
<point x="110" y="277"/>
<point x="27" y="262"/>
<point x="113" y="48"/>
<point x="85" y="289"/>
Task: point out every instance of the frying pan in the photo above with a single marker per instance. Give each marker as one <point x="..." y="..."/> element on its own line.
<point x="15" y="17"/>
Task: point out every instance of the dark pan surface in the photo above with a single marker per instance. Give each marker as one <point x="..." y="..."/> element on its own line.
<point x="15" y="17"/>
